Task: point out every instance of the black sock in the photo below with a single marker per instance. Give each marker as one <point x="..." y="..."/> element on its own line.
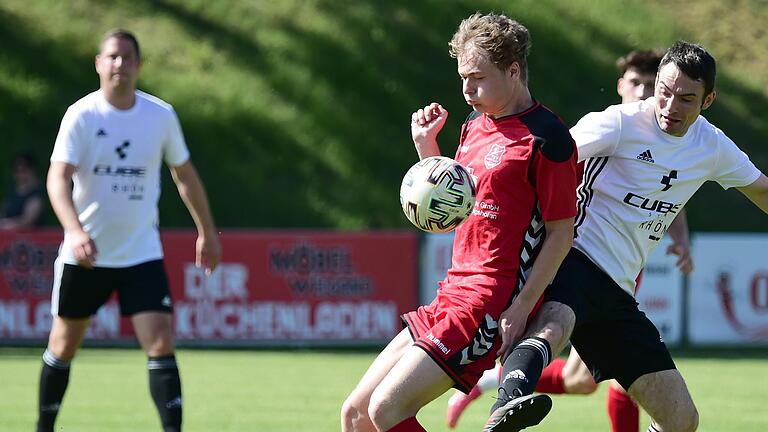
<point x="54" y="378"/>
<point x="522" y="369"/>
<point x="165" y="387"/>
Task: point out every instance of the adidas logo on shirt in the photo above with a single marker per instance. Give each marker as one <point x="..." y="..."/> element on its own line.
<point x="646" y="156"/>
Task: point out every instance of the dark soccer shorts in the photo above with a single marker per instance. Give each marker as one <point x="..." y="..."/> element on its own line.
<point x="79" y="292"/>
<point x="613" y="337"/>
<point x="459" y="332"/>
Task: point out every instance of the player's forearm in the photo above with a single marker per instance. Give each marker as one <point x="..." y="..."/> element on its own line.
<point x="757" y="192"/>
<point x="678" y="229"/>
<point x="552" y="253"/>
<point x="427" y="148"/>
<point x="193" y="194"/>
<point x="60" y="194"/>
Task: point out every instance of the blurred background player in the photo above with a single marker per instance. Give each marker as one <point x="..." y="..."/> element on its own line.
<point x="23" y="204"/>
<point x="524" y="162"/>
<point x="637" y="74"/>
<point x="112" y="144"/>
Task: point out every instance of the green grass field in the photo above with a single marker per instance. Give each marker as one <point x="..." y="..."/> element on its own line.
<point x="273" y="391"/>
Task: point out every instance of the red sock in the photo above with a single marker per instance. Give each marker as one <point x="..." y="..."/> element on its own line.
<point x="622" y="412"/>
<point x="408" y="425"/>
<point x="551" y="380"/>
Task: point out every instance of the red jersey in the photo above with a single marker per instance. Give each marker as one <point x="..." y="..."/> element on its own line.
<point x="524" y="166"/>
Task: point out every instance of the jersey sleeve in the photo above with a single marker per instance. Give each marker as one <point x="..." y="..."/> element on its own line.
<point x="733" y="167"/>
<point x="555" y="177"/>
<point x="597" y="134"/>
<point x="69" y="146"/>
<point x="175" y="151"/>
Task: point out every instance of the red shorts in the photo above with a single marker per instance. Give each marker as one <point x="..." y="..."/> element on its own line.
<point x="459" y="331"/>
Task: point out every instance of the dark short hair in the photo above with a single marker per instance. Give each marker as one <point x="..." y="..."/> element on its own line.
<point x="643" y="61"/>
<point x="502" y="39"/>
<point x="694" y="61"/>
<point x="121" y="34"/>
<point x="26" y="159"/>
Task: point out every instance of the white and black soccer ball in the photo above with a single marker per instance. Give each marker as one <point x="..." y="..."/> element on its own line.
<point x="437" y="194"/>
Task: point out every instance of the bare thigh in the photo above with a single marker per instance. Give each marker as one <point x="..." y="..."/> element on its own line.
<point x="414" y="381"/>
<point x="355" y="409"/>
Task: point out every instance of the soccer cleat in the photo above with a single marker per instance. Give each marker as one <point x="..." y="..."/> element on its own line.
<point x="519" y="413"/>
<point x="458" y="403"/>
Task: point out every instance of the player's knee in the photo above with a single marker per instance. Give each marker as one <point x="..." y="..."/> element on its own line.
<point x="554" y="322"/>
<point x="354" y="414"/>
<point x="383" y="413"/>
<point x="160" y="345"/>
<point x="377" y="412"/>
<point x="63" y="348"/>
<point x="351" y="415"/>
<point x="682" y="420"/>
<point x="62" y="351"/>
<point x="160" y="349"/>
<point x="689" y="420"/>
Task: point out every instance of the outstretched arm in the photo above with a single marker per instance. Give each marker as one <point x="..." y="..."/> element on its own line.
<point x="757" y="192"/>
<point x="207" y="248"/>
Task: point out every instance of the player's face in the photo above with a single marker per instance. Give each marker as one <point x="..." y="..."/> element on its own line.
<point x="486" y="88"/>
<point x="679" y="100"/>
<point x="118" y="64"/>
<point x="634" y="86"/>
<point x="23" y="173"/>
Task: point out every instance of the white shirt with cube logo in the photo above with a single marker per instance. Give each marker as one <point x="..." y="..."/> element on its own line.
<point x="118" y="156"/>
<point x="637" y="178"/>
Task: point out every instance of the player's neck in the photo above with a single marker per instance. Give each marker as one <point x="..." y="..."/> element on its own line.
<point x="119" y="98"/>
<point x="520" y="101"/>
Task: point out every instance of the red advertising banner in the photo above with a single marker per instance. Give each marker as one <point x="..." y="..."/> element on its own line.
<point x="272" y="288"/>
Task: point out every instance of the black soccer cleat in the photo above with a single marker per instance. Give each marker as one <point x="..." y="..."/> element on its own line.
<point x="519" y="413"/>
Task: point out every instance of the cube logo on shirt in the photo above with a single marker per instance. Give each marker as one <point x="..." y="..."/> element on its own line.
<point x="120" y="150"/>
<point x="665" y="180"/>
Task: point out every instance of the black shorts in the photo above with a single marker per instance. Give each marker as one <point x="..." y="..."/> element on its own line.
<point x="79" y="292"/>
<point x="613" y="337"/>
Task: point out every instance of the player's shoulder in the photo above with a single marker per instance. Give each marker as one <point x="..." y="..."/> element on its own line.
<point x="551" y="134"/>
<point x="153" y="102"/>
<point x="473" y="115"/>
<point x="87" y="103"/>
<point x="709" y="135"/>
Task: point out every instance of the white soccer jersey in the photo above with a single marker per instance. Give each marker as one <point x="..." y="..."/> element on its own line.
<point x="637" y="178"/>
<point x="118" y="155"/>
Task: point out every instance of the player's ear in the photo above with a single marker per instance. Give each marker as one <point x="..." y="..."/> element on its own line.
<point x="514" y="70"/>
<point x="708" y="100"/>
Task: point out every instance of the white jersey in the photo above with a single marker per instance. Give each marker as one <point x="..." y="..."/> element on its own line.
<point x="637" y="178"/>
<point x="118" y="155"/>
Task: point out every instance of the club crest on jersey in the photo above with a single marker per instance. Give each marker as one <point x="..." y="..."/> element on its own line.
<point x="493" y="158"/>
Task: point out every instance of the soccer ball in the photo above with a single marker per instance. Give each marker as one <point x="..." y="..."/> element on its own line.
<point x="437" y="194"/>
